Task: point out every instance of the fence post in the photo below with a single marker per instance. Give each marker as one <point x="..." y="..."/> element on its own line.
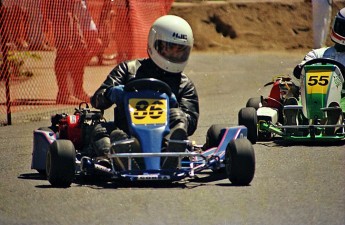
<point x="5" y="65"/>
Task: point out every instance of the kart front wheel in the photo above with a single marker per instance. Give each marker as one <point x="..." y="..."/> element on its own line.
<point x="254" y="102"/>
<point x="248" y="118"/>
<point x="60" y="163"/>
<point x="240" y="161"/>
<point x="214" y="135"/>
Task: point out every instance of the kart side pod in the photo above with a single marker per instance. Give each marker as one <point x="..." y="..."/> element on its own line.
<point x="42" y="140"/>
<point x="267" y="114"/>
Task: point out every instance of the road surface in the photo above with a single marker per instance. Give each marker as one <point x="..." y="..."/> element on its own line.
<point x="292" y="184"/>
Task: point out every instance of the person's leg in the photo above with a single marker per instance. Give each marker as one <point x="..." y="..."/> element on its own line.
<point x="178" y="125"/>
<point x="77" y="68"/>
<point x="116" y="137"/>
<point x="61" y="73"/>
<point x="174" y="141"/>
<point x="100" y="140"/>
<point x="123" y="32"/>
<point x="322" y="16"/>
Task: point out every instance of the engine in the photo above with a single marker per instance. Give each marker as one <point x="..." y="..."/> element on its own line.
<point x="77" y="127"/>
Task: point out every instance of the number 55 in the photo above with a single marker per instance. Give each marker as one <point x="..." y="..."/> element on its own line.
<point x="320" y="80"/>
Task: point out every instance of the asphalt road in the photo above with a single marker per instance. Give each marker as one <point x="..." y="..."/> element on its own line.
<point x="301" y="184"/>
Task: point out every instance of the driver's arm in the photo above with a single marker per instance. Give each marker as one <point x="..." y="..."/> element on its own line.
<point x="116" y="77"/>
<point x="298" y="69"/>
<point x="189" y="104"/>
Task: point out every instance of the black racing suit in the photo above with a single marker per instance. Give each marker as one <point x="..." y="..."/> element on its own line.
<point x="180" y="84"/>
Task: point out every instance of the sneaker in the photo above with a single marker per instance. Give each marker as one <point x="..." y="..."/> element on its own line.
<point x="137" y="163"/>
<point x="178" y="133"/>
<point x="334" y="116"/>
<point x="102" y="146"/>
<point x="105" y="162"/>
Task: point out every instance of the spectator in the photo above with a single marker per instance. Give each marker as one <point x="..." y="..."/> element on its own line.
<point x="322" y="11"/>
<point x="71" y="50"/>
<point x="89" y="30"/>
<point x="107" y="13"/>
<point x="16" y="23"/>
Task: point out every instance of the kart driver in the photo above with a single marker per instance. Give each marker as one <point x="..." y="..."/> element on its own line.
<point x="335" y="52"/>
<point x="170" y="41"/>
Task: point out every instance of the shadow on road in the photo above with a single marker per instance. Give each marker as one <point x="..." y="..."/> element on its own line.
<point x="202" y="179"/>
<point x="32" y="176"/>
<point x="280" y="142"/>
<point x="105" y="183"/>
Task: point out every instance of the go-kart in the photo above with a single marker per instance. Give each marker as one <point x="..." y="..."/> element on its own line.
<point x="62" y="151"/>
<point x="313" y="113"/>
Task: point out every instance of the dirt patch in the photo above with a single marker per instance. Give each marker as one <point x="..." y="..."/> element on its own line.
<point x="248" y="27"/>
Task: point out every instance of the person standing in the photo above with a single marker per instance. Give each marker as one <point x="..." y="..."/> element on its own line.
<point x="322" y="12"/>
<point x="71" y="50"/>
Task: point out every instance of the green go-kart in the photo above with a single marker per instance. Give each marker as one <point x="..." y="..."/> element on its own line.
<point x="316" y="114"/>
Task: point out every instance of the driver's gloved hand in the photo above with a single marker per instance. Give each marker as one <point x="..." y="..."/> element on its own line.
<point x="115" y="93"/>
<point x="297" y="71"/>
<point x="295" y="91"/>
<point x="173" y="101"/>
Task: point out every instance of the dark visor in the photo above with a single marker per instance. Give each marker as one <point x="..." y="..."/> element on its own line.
<point x="339" y="26"/>
<point x="172" y="52"/>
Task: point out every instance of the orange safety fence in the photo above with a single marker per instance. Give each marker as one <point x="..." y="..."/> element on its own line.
<point x="55" y="53"/>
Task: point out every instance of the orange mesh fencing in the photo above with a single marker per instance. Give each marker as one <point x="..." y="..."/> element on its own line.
<point x="55" y="53"/>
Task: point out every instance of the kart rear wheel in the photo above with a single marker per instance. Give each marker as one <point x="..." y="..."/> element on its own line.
<point x="214" y="135"/>
<point x="254" y="102"/>
<point x="248" y="118"/>
<point x="240" y="161"/>
<point x="60" y="163"/>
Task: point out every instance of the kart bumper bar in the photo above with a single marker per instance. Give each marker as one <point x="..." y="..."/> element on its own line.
<point x="179" y="155"/>
<point x="314" y="131"/>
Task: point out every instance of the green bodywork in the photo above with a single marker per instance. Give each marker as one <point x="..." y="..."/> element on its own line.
<point x="317" y="84"/>
<point x="317" y="89"/>
<point x="342" y="103"/>
<point x="322" y="97"/>
<point x="316" y="134"/>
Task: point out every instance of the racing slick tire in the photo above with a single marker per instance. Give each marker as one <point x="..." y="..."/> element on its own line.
<point x="254" y="102"/>
<point x="60" y="163"/>
<point x="248" y="118"/>
<point x="214" y="135"/>
<point x="213" y="138"/>
<point x="240" y="161"/>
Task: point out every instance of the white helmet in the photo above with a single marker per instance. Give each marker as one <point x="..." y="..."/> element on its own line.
<point x="170" y="42"/>
<point x="338" y="29"/>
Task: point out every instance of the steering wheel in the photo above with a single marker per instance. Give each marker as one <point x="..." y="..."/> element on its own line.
<point x="329" y="61"/>
<point x="322" y="61"/>
<point x="148" y="84"/>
